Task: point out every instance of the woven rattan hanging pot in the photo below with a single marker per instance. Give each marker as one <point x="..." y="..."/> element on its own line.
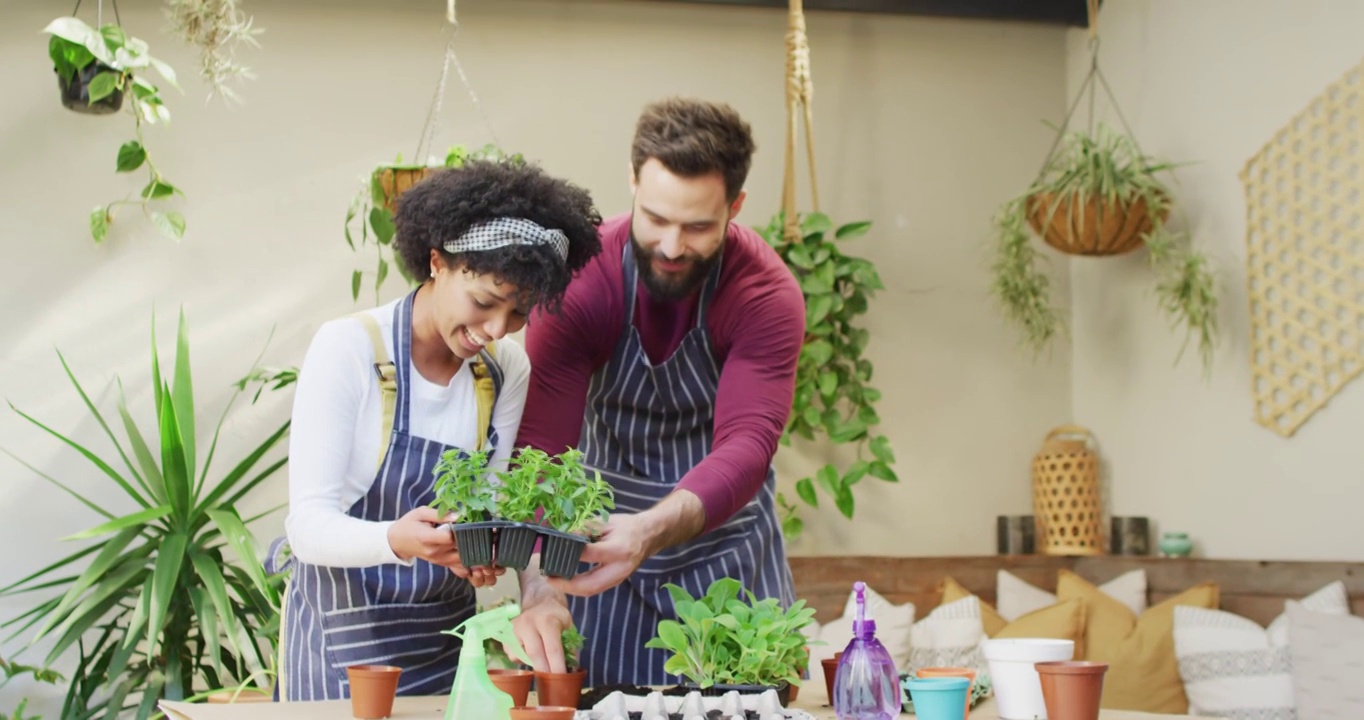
<point x="1065" y="494"/>
<point x="1094" y="226"/>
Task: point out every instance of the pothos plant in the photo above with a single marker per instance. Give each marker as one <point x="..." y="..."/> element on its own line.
<point x="1106" y="174"/>
<point x="371" y="210"/>
<point x="96" y="70"/>
<point x="833" y="393"/>
<point x="721" y="639"/>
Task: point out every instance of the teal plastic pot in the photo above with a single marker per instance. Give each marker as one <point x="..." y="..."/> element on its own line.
<point x="939" y="698"/>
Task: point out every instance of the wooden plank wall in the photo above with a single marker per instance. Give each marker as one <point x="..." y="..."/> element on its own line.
<point x="1252" y="589"/>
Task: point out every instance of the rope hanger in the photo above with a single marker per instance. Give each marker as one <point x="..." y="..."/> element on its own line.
<point x="799" y="94"/>
<point x="99" y="13"/>
<point x="437" y="101"/>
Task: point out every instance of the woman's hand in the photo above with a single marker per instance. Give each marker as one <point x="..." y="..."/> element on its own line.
<point x="417" y="535"/>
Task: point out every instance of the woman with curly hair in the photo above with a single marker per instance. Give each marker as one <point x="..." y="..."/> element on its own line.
<point x="382" y="394"/>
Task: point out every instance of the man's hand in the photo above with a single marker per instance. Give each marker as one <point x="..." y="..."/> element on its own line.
<point x="540" y="626"/>
<point x="630" y="539"/>
<point x="417" y="535"/>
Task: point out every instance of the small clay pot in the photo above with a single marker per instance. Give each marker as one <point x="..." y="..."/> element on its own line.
<point x="372" y="689"/>
<point x="543" y="712"/>
<point x="968" y="673"/>
<point x="515" y="683"/>
<point x="559" y="689"/>
<point x="830" y="671"/>
<point x="1072" y="689"/>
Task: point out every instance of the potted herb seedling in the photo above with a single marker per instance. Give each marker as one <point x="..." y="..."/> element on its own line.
<point x="575" y="506"/>
<point x="721" y="642"/>
<point x="465" y="495"/>
<point x="96" y="70"/>
<point x="564" y="689"/>
<point x="519" y="497"/>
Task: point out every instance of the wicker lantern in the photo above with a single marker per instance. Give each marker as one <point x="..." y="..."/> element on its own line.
<point x="1065" y="494"/>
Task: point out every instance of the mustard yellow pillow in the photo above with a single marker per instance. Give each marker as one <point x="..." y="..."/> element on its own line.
<point x="1064" y="621"/>
<point x="1143" y="673"/>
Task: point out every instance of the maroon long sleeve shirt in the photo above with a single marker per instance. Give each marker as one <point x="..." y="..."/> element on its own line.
<point x="756" y="324"/>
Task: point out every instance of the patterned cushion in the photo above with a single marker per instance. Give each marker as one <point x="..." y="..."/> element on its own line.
<point x="1233" y="668"/>
<point x="1017" y="597"/>
<point x="1328" y="663"/>
<point x="950" y="636"/>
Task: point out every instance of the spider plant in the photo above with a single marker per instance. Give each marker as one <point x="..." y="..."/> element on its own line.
<point x="167" y="598"/>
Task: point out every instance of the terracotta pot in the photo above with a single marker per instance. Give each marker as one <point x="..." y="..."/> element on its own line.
<point x="968" y="673"/>
<point x="1072" y="689"/>
<point x="543" y="712"/>
<point x="795" y="689"/>
<point x="559" y="689"/>
<point x="515" y="683"/>
<point x="1091" y="227"/>
<point x="372" y="689"/>
<point x="830" y="670"/>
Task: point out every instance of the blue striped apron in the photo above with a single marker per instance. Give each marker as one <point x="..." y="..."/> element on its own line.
<point x="644" y="427"/>
<point x="387" y="614"/>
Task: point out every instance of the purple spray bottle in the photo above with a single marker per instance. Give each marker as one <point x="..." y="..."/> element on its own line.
<point x="866" y="684"/>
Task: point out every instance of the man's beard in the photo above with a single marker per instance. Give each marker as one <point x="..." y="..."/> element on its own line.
<point x="670" y="286"/>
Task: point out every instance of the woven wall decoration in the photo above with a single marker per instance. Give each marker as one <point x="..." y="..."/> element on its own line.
<point x="1305" y="257"/>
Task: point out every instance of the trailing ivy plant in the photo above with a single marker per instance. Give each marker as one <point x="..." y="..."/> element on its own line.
<point x="112" y="62"/>
<point x="371" y="212"/>
<point x="10" y="670"/>
<point x="1108" y="166"/>
<point x="168" y="598"/>
<point x="833" y="391"/>
<point x="721" y="639"/>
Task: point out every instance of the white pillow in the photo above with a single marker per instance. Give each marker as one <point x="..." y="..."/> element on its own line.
<point x="1233" y="668"/>
<point x="950" y="636"/>
<point x="1016" y="598"/>
<point x="893" y="623"/>
<point x="1328" y="663"/>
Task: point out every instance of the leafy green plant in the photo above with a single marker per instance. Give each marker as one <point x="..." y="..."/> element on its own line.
<point x="11" y="670"/>
<point x="574" y="502"/>
<point x="719" y="639"/>
<point x="372" y="208"/>
<point x="117" y="62"/>
<point x="519" y="495"/>
<point x="462" y="486"/>
<point x="833" y="391"/>
<point x="172" y="599"/>
<point x="573" y="642"/>
<point x="217" y="28"/>
<point x="1109" y="167"/>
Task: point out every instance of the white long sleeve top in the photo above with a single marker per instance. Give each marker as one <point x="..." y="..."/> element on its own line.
<point x="334" y="439"/>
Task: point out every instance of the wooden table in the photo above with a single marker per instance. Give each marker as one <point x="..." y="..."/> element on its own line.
<point x="811" y="699"/>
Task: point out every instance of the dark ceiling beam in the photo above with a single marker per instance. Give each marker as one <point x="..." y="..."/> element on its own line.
<point x="1052" y="12"/>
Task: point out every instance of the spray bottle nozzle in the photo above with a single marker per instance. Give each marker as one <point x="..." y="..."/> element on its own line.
<point x="492" y="624"/>
<point x="862" y="627"/>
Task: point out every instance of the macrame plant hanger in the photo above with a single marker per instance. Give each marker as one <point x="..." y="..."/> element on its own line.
<point x="799" y="93"/>
<point x="99" y="13"/>
<point x="424" y="142"/>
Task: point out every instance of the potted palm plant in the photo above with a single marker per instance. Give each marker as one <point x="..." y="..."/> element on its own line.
<point x="1099" y="196"/>
<point x="720" y="642"/>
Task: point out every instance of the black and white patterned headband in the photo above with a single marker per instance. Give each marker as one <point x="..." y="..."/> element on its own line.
<point x="505" y="231"/>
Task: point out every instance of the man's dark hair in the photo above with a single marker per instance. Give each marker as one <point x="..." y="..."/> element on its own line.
<point x="693" y="138"/>
<point x="446" y="204"/>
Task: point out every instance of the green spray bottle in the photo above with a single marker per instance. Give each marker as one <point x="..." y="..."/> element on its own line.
<point x="474" y="695"/>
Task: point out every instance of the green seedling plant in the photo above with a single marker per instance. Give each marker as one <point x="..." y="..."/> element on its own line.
<point x="462" y="486"/>
<point x="121" y="59"/>
<point x="721" y="639"/>
<point x="574" y="502"/>
<point x="520" y="496"/>
<point x="573" y="642"/>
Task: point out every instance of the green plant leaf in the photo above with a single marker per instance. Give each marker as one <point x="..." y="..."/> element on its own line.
<point x="175" y="473"/>
<point x="182" y="394"/>
<point x="882" y="471"/>
<point x="820" y="352"/>
<point x="817" y="309"/>
<point x="103" y="85"/>
<point x="382" y="273"/>
<point x="382" y="223"/>
<point x="99" y="223"/>
<point x="852" y="230"/>
<point x="239" y="538"/>
<point x="843" y="499"/>
<point x="355" y="285"/>
<point x="171" y="224"/>
<point x="815" y="223"/>
<point x="158" y="188"/>
<point x="135" y="520"/>
<point x="880" y="447"/>
<point x="131" y="155"/>
<point x="806" y="490"/>
<point x="165" y="577"/>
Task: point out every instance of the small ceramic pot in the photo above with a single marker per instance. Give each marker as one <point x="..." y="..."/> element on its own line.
<point x="372" y="689"/>
<point x="559" y="689"/>
<point x="543" y="712"/>
<point x="1072" y="690"/>
<point x="939" y="698"/>
<point x="515" y="683"/>
<point x="1018" y="693"/>
<point x="1175" y="544"/>
<point x="968" y="673"/>
<point x="1130" y="536"/>
<point x="830" y="672"/>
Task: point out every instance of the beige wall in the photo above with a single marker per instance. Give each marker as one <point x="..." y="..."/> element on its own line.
<point x="922" y="125"/>
<point x="1208" y="83"/>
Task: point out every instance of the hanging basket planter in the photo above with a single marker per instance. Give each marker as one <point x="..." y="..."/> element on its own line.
<point x="392" y="181"/>
<point x="1093" y="227"/>
<point x="76" y="91"/>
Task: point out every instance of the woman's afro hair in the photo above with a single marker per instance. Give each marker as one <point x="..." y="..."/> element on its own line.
<point x="447" y="203"/>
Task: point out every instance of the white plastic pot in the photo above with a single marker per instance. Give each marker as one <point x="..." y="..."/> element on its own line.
<point x="1018" y="691"/>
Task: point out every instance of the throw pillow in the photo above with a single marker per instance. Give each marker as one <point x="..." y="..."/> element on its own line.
<point x="1017" y="597"/>
<point x="1328" y="663"/>
<point x="1234" y="669"/>
<point x="1063" y="620"/>
<point x="949" y="637"/>
<point x="1143" y="672"/>
<point x="893" y="624"/>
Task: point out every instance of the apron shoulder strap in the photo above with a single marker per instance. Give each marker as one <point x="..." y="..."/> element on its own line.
<point x="387" y="373"/>
<point x="487" y="388"/>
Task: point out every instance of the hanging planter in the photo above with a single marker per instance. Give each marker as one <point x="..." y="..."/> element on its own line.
<point x="77" y="95"/>
<point x="1098" y="195"/>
